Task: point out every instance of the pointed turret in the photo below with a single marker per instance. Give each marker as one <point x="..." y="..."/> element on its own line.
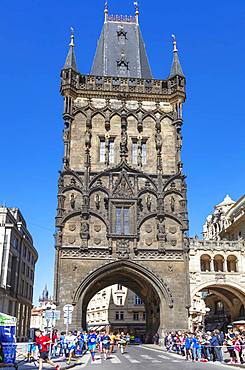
<point x="70" y="62"/>
<point x="176" y="69"/>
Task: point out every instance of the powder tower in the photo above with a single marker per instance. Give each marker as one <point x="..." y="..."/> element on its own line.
<point x="122" y="209"/>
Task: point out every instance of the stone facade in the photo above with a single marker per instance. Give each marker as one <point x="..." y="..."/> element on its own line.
<point x="217" y="265"/>
<point x="119" y="308"/>
<point x="17" y="267"/>
<point x="122" y="207"/>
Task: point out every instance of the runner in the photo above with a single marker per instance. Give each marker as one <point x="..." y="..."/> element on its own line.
<point x="112" y="342"/>
<point x="71" y="342"/>
<point x="106" y="345"/>
<point x="122" y="343"/>
<point x="43" y="343"/>
<point x="92" y="339"/>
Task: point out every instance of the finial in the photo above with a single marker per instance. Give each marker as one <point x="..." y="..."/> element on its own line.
<point x="137" y="12"/>
<point x="174" y="43"/>
<point x="106" y="10"/>
<point x="72" y="37"/>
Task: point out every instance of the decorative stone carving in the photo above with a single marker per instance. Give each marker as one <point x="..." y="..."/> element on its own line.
<point x="84" y="232"/>
<point x="97" y="228"/>
<point x="98" y="103"/>
<point x="172" y="204"/>
<point x="148" y="202"/>
<point x="72" y="226"/>
<point x="161" y="232"/>
<point x="97" y="200"/>
<point x="148" y="242"/>
<point x="170" y="268"/>
<point x="172" y="229"/>
<point x="122" y="247"/>
<point x="97" y="241"/>
<point x="148" y="228"/>
<point x="173" y="242"/>
<point x="73" y="201"/>
<point x="71" y="239"/>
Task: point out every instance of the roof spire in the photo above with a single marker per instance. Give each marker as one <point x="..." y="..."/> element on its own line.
<point x="106" y="10"/>
<point x="137" y="11"/>
<point x="70" y="62"/>
<point x="176" y="69"/>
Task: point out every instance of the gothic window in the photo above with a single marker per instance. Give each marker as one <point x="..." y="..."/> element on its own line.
<point x="102" y="150"/>
<point x="134" y="152"/>
<point x="111" y="151"/>
<point x="122" y="221"/>
<point x="144" y="153"/>
<point x="106" y="148"/>
<point x="121" y="35"/>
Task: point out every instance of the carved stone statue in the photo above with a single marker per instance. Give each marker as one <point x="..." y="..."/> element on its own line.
<point x="73" y="200"/>
<point x="172" y="204"/>
<point x="148" y="202"/>
<point x="139" y="151"/>
<point x="158" y="140"/>
<point x="66" y="134"/>
<point x="97" y="201"/>
<point x="84" y="231"/>
<point x="161" y="232"/>
<point x="88" y="138"/>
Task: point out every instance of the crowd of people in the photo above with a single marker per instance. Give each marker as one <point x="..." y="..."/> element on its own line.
<point x="72" y="344"/>
<point x="208" y="346"/>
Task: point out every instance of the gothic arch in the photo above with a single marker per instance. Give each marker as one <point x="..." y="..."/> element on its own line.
<point x="69" y="215"/>
<point x="154" y="292"/>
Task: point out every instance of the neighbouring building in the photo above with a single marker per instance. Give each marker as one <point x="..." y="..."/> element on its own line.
<point x="122" y="204"/>
<point x="18" y="257"/>
<point x="118" y="308"/>
<point x="38" y="320"/>
<point x="217" y="265"/>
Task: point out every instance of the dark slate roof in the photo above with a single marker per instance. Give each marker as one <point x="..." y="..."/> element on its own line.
<point x="71" y="59"/>
<point x="176" y="69"/>
<point x="121" y="50"/>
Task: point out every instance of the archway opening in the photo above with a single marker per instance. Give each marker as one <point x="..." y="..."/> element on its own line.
<point x="221" y="304"/>
<point x="117" y="309"/>
<point x="137" y="279"/>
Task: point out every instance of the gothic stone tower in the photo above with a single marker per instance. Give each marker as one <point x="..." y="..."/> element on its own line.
<point x="122" y="212"/>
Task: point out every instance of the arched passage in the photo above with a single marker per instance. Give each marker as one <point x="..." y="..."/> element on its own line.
<point x="155" y="294"/>
<point x="225" y="302"/>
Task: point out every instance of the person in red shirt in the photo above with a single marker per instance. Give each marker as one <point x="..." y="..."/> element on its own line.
<point x="43" y="343"/>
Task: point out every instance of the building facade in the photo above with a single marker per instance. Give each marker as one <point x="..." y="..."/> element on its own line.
<point x="122" y="207"/>
<point x="17" y="263"/>
<point x="217" y="266"/>
<point x="118" y="308"/>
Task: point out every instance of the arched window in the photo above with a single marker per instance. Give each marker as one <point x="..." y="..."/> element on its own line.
<point x="205" y="262"/>
<point x="231" y="263"/>
<point x="218" y="263"/>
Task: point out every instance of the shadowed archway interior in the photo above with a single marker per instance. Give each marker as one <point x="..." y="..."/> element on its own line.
<point x="141" y="281"/>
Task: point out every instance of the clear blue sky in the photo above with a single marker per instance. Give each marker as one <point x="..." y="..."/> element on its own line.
<point x="34" y="37"/>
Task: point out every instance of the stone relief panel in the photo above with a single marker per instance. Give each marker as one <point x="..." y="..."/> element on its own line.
<point x="148" y="232"/>
<point x="97" y="232"/>
<point x="71" y="232"/>
<point x="99" y="202"/>
<point x="169" y="147"/>
<point x="174" y="234"/>
<point x="77" y="142"/>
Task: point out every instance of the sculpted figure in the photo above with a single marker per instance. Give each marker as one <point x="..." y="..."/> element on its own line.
<point x="172" y="204"/>
<point x="73" y="200"/>
<point x="148" y="202"/>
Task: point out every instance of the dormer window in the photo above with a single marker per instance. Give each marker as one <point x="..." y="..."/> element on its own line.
<point x="121" y="35"/>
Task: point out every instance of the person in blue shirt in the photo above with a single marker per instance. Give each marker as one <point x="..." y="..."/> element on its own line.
<point x="106" y="344"/>
<point x="196" y="348"/>
<point x="92" y="340"/>
<point x="187" y="346"/>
